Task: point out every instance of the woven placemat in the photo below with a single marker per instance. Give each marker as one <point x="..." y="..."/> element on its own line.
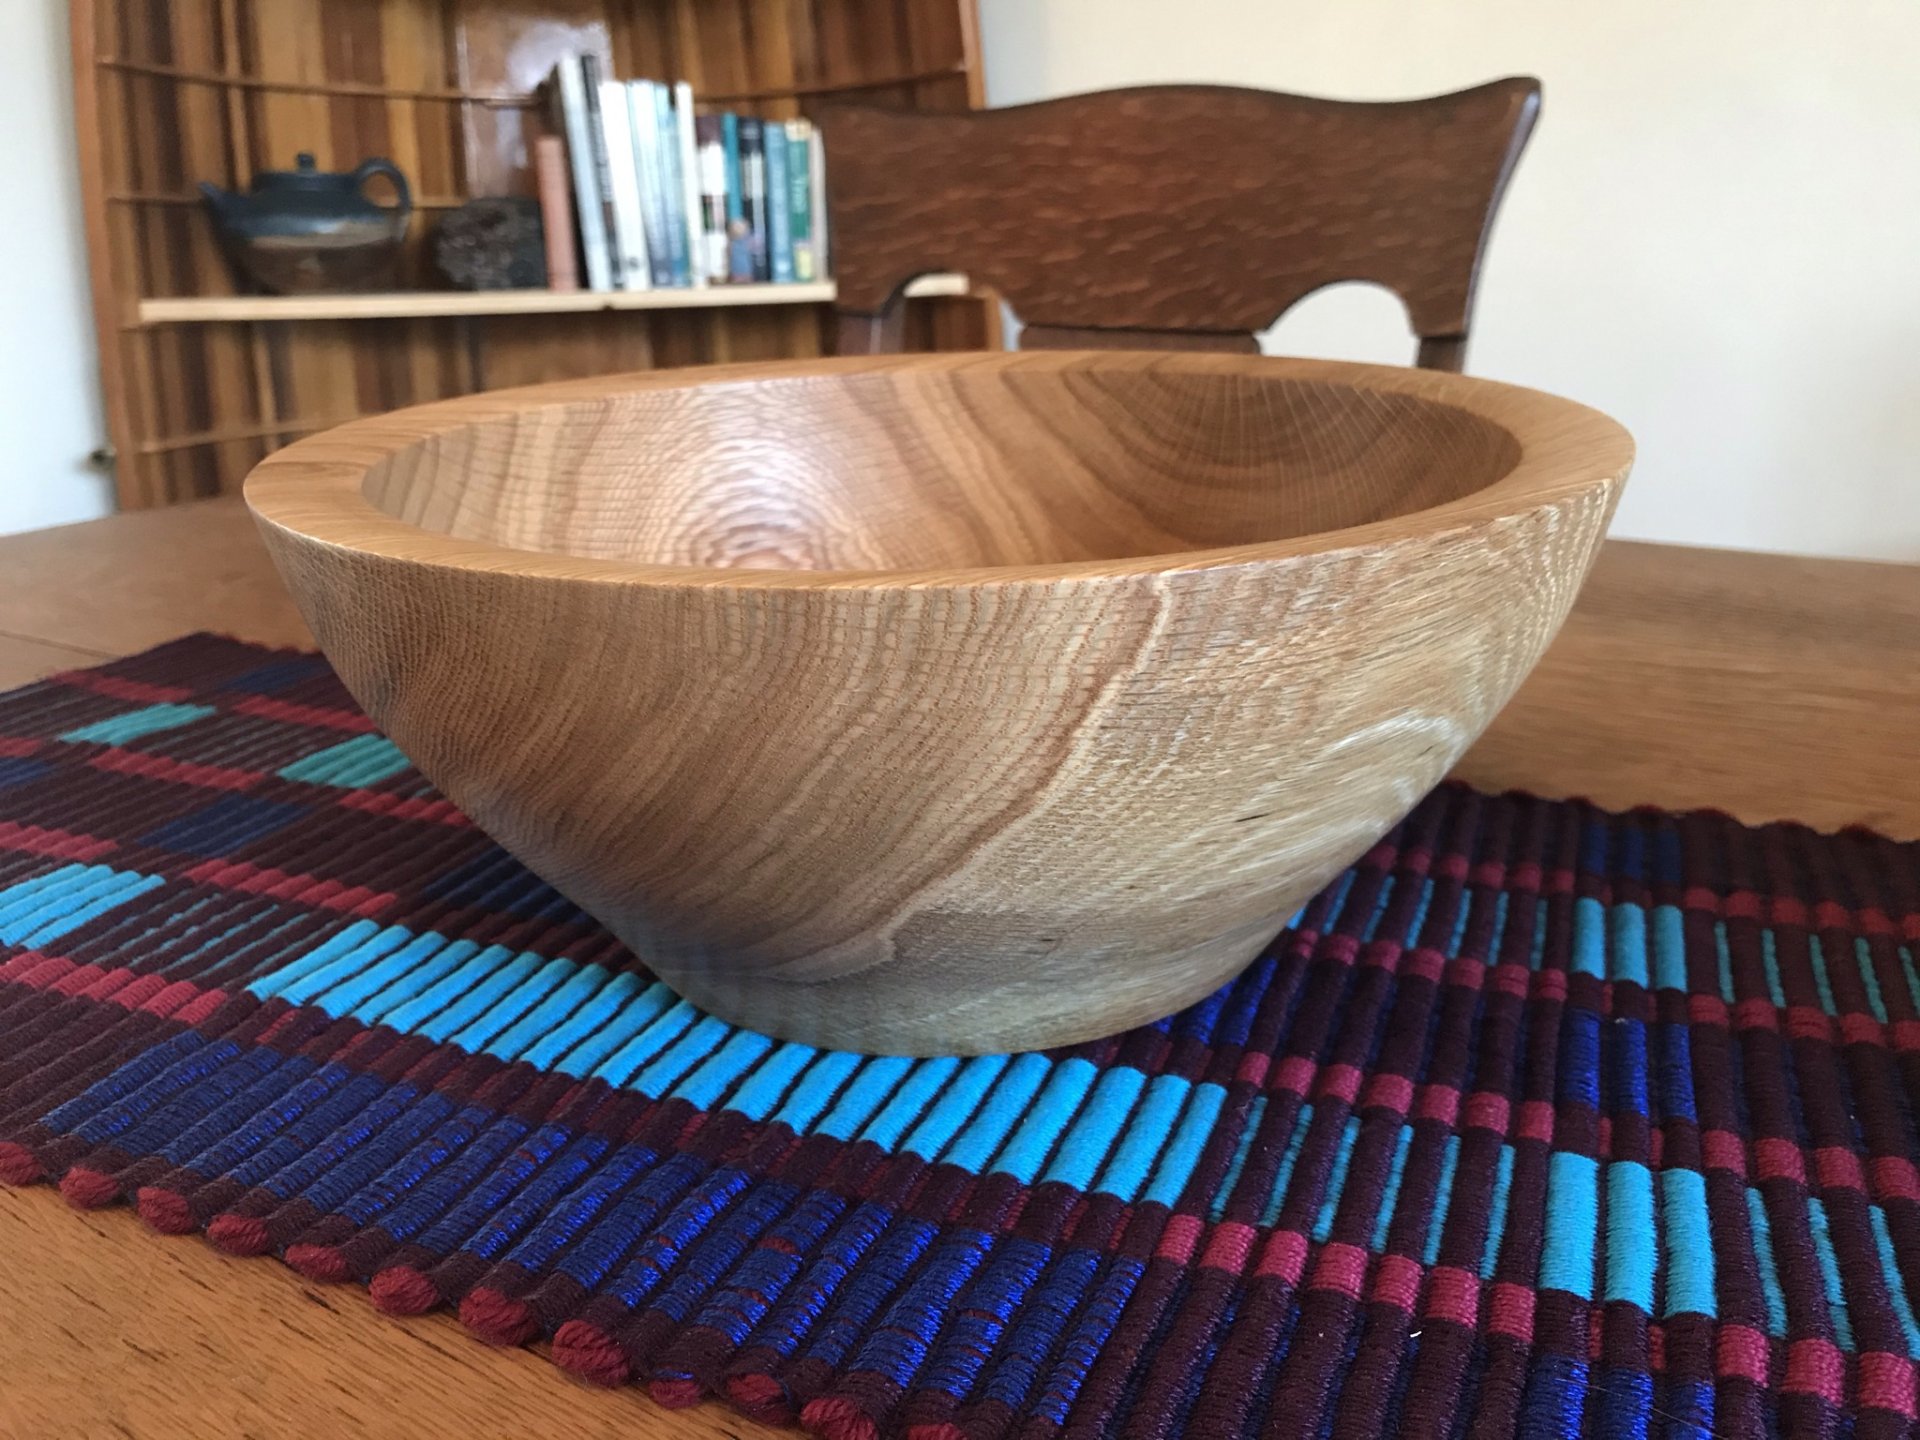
<point x="1540" y="1121"/>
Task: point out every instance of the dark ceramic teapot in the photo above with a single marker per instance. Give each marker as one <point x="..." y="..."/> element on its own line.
<point x="300" y="231"/>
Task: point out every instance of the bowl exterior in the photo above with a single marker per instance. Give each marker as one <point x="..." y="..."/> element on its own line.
<point x="930" y="819"/>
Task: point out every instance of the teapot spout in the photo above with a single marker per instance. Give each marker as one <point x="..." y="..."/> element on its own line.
<point x="221" y="202"/>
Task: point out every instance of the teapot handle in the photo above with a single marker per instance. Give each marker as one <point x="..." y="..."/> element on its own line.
<point x="403" y="208"/>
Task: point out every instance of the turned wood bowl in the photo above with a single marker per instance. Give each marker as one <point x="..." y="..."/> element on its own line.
<point x="954" y="703"/>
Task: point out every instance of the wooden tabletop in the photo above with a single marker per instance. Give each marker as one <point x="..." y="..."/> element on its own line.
<point x="1763" y="685"/>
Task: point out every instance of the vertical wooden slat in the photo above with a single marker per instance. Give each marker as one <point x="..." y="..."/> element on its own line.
<point x="239" y="152"/>
<point x="110" y="308"/>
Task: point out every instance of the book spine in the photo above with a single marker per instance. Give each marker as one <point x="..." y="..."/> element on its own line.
<point x="739" y="236"/>
<point x="800" y="198"/>
<point x="586" y="183"/>
<point x="817" y="172"/>
<point x="753" y="191"/>
<point x="779" y="226"/>
<point x="713" y="197"/>
<point x="556" y="213"/>
<point x="602" y="169"/>
<point x="667" y="146"/>
<point x="689" y="159"/>
<point x="653" y="200"/>
<point x="629" y="230"/>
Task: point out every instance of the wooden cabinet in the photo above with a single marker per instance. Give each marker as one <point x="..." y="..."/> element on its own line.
<point x="200" y="382"/>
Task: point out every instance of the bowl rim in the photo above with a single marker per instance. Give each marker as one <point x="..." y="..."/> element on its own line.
<point x="312" y="489"/>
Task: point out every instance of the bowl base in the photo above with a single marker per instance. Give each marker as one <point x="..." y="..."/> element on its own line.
<point x="895" y="1008"/>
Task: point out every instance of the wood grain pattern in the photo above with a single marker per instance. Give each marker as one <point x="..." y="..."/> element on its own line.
<point x="1763" y="685"/>
<point x="170" y="92"/>
<point x="1177" y="215"/>
<point x="136" y="580"/>
<point x="951" y="703"/>
<point x="114" y="1331"/>
<point x="23" y="660"/>
<point x="1774" y="687"/>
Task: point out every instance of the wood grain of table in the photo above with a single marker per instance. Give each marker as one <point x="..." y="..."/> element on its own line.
<point x="1767" y="686"/>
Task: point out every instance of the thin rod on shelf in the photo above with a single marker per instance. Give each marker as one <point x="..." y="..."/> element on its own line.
<point x="163" y="444"/>
<point x="836" y="87"/>
<point x="500" y="100"/>
<point x="183" y="197"/>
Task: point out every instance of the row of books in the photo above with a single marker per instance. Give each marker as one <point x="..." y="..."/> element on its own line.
<point x="663" y="196"/>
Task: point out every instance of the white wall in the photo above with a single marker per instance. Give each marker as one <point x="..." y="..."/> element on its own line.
<point x="49" y="386"/>
<point x="1714" y="235"/>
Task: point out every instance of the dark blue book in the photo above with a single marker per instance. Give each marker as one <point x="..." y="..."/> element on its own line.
<point x="739" y="233"/>
<point x="753" y="191"/>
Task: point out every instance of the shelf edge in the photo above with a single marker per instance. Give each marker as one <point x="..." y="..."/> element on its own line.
<point x="431" y="304"/>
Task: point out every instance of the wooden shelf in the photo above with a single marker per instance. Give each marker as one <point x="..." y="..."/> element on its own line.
<point x="412" y="304"/>
<point x="197" y="384"/>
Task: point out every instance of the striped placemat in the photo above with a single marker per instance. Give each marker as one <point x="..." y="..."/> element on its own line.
<point x="1540" y="1121"/>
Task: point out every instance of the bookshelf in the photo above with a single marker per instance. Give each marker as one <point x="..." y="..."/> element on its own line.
<point x="200" y="380"/>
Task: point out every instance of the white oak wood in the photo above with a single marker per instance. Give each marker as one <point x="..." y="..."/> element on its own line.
<point x="945" y="703"/>
<point x="403" y="304"/>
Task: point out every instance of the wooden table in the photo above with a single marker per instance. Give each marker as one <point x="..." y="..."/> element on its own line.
<point x="1763" y="685"/>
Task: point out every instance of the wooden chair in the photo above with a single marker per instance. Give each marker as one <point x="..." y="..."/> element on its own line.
<point x="1173" y="216"/>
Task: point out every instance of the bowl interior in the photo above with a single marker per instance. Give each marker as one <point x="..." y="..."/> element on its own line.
<point x="927" y="469"/>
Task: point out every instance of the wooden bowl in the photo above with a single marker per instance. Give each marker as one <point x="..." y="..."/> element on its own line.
<point x="945" y="704"/>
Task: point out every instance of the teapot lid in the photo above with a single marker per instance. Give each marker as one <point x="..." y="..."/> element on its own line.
<point x="307" y="177"/>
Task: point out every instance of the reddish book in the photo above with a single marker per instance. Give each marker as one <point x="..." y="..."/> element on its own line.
<point x="556" y="212"/>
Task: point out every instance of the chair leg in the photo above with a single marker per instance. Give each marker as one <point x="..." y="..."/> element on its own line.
<point x="1443" y="352"/>
<point x="883" y="334"/>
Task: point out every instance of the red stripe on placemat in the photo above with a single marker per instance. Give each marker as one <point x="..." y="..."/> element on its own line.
<point x="323" y="716"/>
<point x="116" y="687"/>
<point x="431" y="809"/>
<point x="160" y="767"/>
<point x="129" y="989"/>
<point x="60" y="844"/>
<point x="283" y="885"/>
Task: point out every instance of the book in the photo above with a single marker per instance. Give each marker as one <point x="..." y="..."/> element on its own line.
<point x="817" y="166"/>
<point x="713" y="196"/>
<point x="556" y="213"/>
<point x="667" y="148"/>
<point x="570" y="96"/>
<point x="779" y="215"/>
<point x="739" y="235"/>
<point x="629" y="229"/>
<point x="688" y="160"/>
<point x="602" y="194"/>
<point x="652" y="190"/>
<point x="753" y="191"/>
<point x="800" y="142"/>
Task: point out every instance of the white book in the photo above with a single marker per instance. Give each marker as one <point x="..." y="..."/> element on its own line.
<point x="646" y="159"/>
<point x="817" y="182"/>
<point x="713" y="196"/>
<point x="586" y="174"/>
<point x="629" y="226"/>
<point x="690" y="180"/>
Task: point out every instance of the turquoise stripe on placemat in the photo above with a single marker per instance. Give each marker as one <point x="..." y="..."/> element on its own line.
<point x="132" y="725"/>
<point x="41" y="910"/>
<point x="352" y="764"/>
<point x="1573" y="1211"/>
